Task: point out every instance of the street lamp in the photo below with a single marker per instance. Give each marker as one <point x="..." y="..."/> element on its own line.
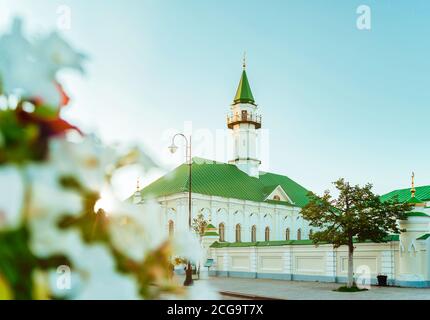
<point x="189" y="271"/>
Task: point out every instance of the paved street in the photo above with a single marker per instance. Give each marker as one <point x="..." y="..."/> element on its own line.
<point x="300" y="290"/>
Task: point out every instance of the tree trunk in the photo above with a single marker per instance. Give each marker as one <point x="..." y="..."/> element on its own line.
<point x="350" y="265"/>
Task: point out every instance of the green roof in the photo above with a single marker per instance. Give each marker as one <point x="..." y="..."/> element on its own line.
<point x="243" y="93"/>
<point x="261" y="243"/>
<point x="424" y="236"/>
<point x="225" y="180"/>
<point x="417" y="214"/>
<point x="422" y="193"/>
<point x="210" y="226"/>
<point x="212" y="233"/>
<point x="216" y="244"/>
<point x="414" y="200"/>
<point x="393" y="237"/>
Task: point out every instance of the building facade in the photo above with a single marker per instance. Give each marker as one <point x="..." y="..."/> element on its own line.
<point x="258" y="229"/>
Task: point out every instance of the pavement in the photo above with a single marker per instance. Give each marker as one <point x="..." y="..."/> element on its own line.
<point x="240" y="288"/>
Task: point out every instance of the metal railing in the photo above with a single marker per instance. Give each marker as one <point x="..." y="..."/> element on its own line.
<point x="236" y="118"/>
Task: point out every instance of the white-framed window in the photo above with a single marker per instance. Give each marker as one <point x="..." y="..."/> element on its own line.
<point x="238" y="233"/>
<point x="267" y="234"/>
<point x="254" y="233"/>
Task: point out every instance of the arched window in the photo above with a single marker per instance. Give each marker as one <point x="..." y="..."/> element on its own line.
<point x="221" y="231"/>
<point x="299" y="234"/>
<point x="287" y="234"/>
<point x="311" y="232"/>
<point x="276" y="197"/>
<point x="267" y="234"/>
<point x="254" y="233"/>
<point x="238" y="233"/>
<point x="171" y="228"/>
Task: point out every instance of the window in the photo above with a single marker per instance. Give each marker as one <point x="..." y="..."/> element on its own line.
<point x="171" y="228"/>
<point x="287" y="234"/>
<point x="276" y="197"/>
<point x="244" y="115"/>
<point x="299" y="234"/>
<point x="267" y="234"/>
<point x="238" y="231"/>
<point x="221" y="230"/>
<point x="254" y="233"/>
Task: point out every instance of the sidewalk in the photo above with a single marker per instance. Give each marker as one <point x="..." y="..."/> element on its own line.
<point x="300" y="290"/>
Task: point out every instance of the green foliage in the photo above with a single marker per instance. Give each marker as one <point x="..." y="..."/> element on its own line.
<point x="17" y="262"/>
<point x="349" y="289"/>
<point x="19" y="143"/>
<point x="357" y="213"/>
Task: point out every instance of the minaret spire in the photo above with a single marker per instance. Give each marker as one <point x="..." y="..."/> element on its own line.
<point x="413" y="185"/>
<point x="243" y="92"/>
<point x="244" y="121"/>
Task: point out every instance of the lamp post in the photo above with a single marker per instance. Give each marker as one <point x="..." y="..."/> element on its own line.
<point x="189" y="271"/>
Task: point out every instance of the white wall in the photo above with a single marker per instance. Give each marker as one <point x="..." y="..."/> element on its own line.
<point x="232" y="212"/>
<point x="321" y="263"/>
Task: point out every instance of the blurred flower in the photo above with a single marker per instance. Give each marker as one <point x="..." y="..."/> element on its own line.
<point x="47" y="202"/>
<point x="94" y="276"/>
<point x="56" y="54"/>
<point x="136" y="230"/>
<point x="89" y="161"/>
<point x="11" y="197"/>
<point x="102" y="281"/>
<point x="30" y="68"/>
<point x="48" y="198"/>
<point x="187" y="245"/>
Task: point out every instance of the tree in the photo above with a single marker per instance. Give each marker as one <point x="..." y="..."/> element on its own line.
<point x="356" y="215"/>
<point x="199" y="224"/>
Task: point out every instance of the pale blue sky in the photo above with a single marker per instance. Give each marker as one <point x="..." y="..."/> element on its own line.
<point x="337" y="101"/>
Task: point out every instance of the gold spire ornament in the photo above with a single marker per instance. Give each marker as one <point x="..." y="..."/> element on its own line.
<point x="413" y="185"/>
<point x="244" y="60"/>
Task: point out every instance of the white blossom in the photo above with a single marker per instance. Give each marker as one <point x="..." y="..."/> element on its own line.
<point x="136" y="230"/>
<point x="30" y="67"/>
<point x="89" y="161"/>
<point x="11" y="197"/>
<point x="187" y="245"/>
<point x="94" y="276"/>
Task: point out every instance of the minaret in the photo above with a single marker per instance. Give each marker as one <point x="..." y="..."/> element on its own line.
<point x="244" y="121"/>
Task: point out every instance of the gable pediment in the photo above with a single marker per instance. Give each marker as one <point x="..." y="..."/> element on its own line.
<point x="278" y="194"/>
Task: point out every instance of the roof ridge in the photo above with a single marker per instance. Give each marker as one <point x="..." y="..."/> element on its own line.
<point x="404" y="189"/>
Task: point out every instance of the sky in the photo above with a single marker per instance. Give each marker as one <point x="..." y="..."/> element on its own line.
<point x="336" y="101"/>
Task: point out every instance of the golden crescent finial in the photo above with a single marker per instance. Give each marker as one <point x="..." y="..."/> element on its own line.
<point x="138" y="184"/>
<point x="413" y="185"/>
<point x="244" y="60"/>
